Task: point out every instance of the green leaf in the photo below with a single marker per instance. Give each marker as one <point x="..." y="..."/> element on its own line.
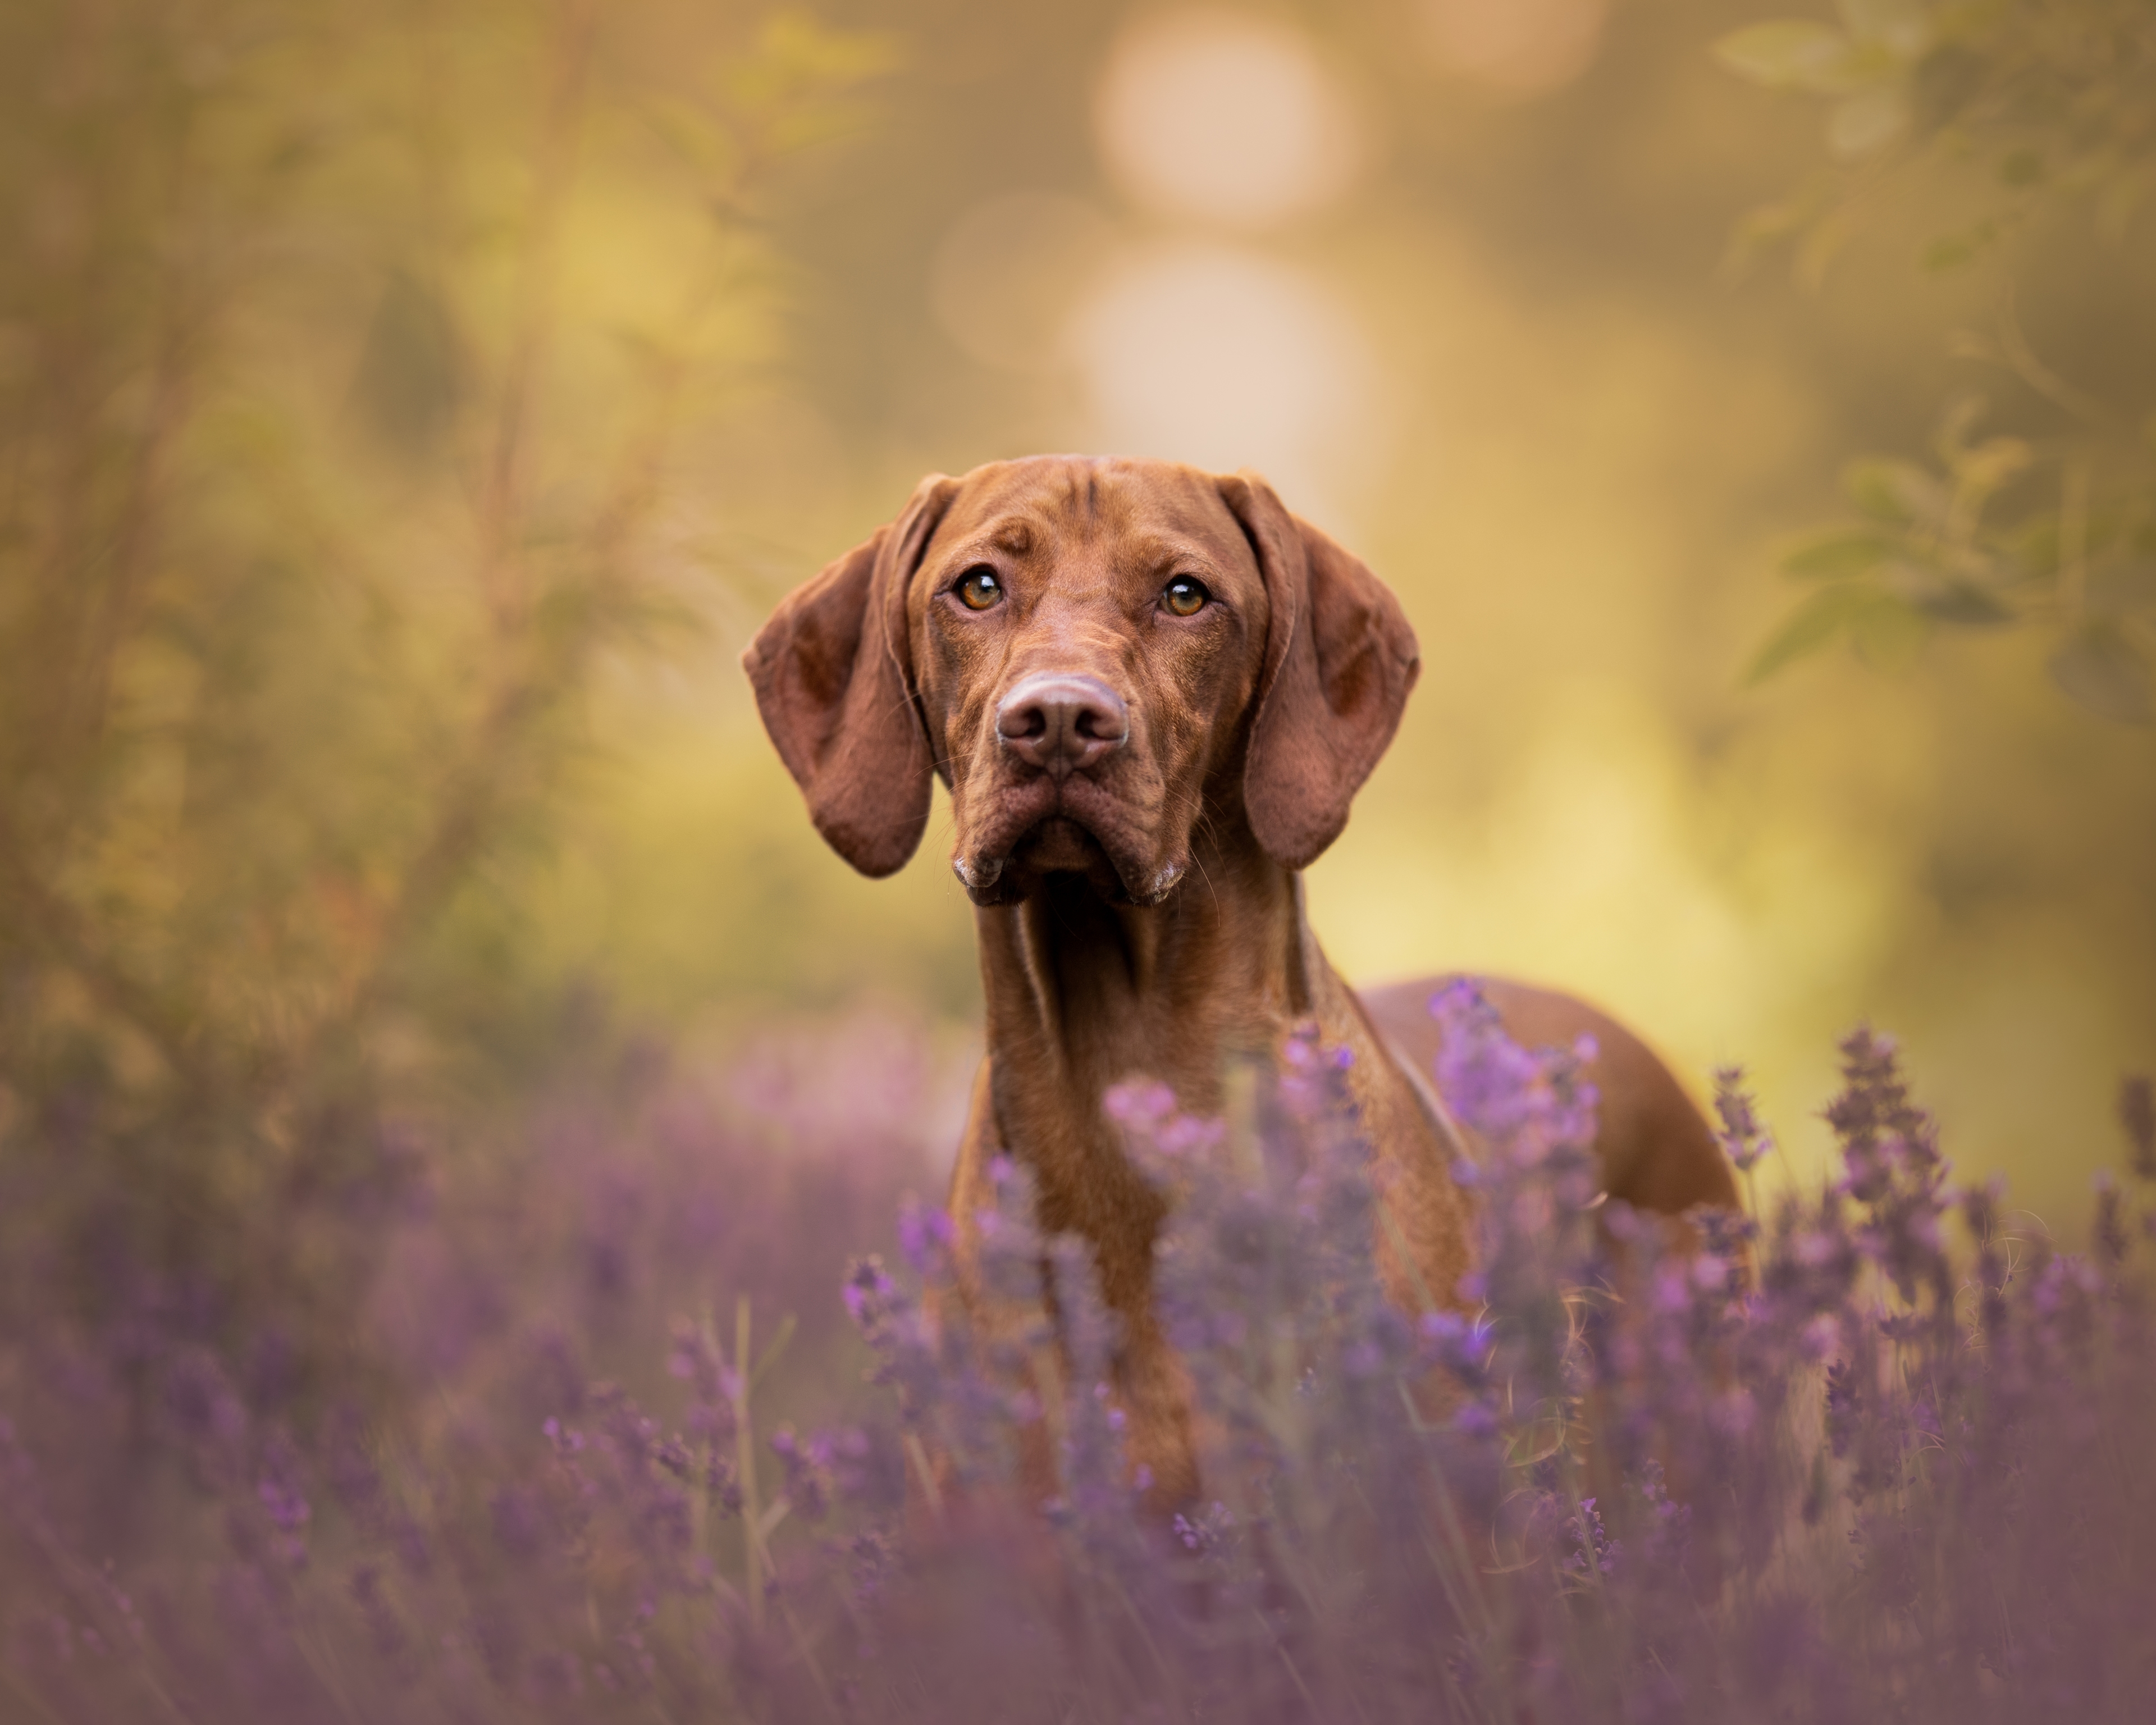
<point x="2099" y="667"/>
<point x="1983" y="468"/>
<point x="1810" y="628"/>
<point x="698" y="135"/>
<point x="1836" y="553"/>
<point x="2021" y="168"/>
<point x="1966" y="605"/>
<point x="1761" y="230"/>
<point x="2033" y="543"/>
<point x="1888" y="632"/>
<point x="1789" y="53"/>
<point x="1957" y="251"/>
<point x="1897" y="492"/>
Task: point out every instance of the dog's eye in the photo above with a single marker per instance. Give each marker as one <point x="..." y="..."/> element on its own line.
<point x="1184" y="596"/>
<point x="979" y="588"/>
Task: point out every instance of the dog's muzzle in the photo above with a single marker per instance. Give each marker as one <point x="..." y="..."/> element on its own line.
<point x="1060" y="723"/>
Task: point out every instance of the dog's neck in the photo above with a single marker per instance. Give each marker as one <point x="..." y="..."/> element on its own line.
<point x="1082" y="993"/>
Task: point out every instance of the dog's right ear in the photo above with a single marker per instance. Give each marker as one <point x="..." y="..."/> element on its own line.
<point x="833" y="680"/>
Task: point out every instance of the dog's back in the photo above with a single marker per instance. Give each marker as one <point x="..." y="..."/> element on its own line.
<point x="1658" y="1152"/>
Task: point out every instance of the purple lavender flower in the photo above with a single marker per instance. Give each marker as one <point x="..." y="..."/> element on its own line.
<point x="1485" y="1077"/>
<point x="1743" y="1138"/>
<point x="924" y="1235"/>
<point x="1203" y="1531"/>
<point x="1592" y="1550"/>
<point x="288" y="1510"/>
<point x="819" y="1469"/>
<point x="1895" y="1170"/>
<point x="872" y="1560"/>
<point x="1879" y="1473"/>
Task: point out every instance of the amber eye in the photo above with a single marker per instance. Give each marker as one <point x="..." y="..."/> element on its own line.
<point x="1184" y="596"/>
<point x="979" y="588"/>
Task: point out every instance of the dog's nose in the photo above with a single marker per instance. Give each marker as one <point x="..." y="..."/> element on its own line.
<point x="1060" y="723"/>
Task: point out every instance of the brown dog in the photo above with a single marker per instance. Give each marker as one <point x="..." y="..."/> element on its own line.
<point x="1153" y="693"/>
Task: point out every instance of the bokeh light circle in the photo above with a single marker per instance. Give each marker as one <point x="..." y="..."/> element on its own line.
<point x="1517" y="46"/>
<point x="1225" y="119"/>
<point x="1226" y="358"/>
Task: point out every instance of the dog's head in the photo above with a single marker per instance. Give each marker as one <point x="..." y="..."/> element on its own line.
<point x="1097" y="655"/>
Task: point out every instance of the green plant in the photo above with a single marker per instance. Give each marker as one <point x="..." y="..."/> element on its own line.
<point x="2000" y="120"/>
<point x="343" y="359"/>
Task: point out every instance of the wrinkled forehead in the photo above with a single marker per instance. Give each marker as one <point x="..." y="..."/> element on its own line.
<point x="1136" y="516"/>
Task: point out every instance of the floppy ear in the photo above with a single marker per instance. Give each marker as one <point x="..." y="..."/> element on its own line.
<point x="833" y="680"/>
<point x="1339" y="661"/>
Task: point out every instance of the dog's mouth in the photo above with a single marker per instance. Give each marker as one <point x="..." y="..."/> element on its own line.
<point x="1060" y="843"/>
<point x="1056" y="846"/>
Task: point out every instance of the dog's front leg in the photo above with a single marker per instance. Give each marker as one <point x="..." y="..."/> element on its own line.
<point x="1022" y="1328"/>
<point x="1011" y="1338"/>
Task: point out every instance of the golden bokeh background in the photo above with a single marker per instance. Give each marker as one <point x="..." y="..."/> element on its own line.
<point x="486" y="371"/>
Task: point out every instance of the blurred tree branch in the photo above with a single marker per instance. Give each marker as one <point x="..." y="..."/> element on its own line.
<point x="2016" y="111"/>
<point x="292" y="646"/>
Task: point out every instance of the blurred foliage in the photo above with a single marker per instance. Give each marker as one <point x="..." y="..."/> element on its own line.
<point x="1896" y="1460"/>
<point x="335" y="419"/>
<point x="2007" y="116"/>
<point x="409" y="412"/>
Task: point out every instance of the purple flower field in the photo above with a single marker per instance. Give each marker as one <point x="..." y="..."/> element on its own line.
<point x="665" y="1420"/>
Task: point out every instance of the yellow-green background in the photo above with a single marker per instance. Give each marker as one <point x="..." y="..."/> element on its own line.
<point x="1593" y="438"/>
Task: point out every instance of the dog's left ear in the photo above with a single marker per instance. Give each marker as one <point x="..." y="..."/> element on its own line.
<point x="834" y="681"/>
<point x="1340" y="659"/>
